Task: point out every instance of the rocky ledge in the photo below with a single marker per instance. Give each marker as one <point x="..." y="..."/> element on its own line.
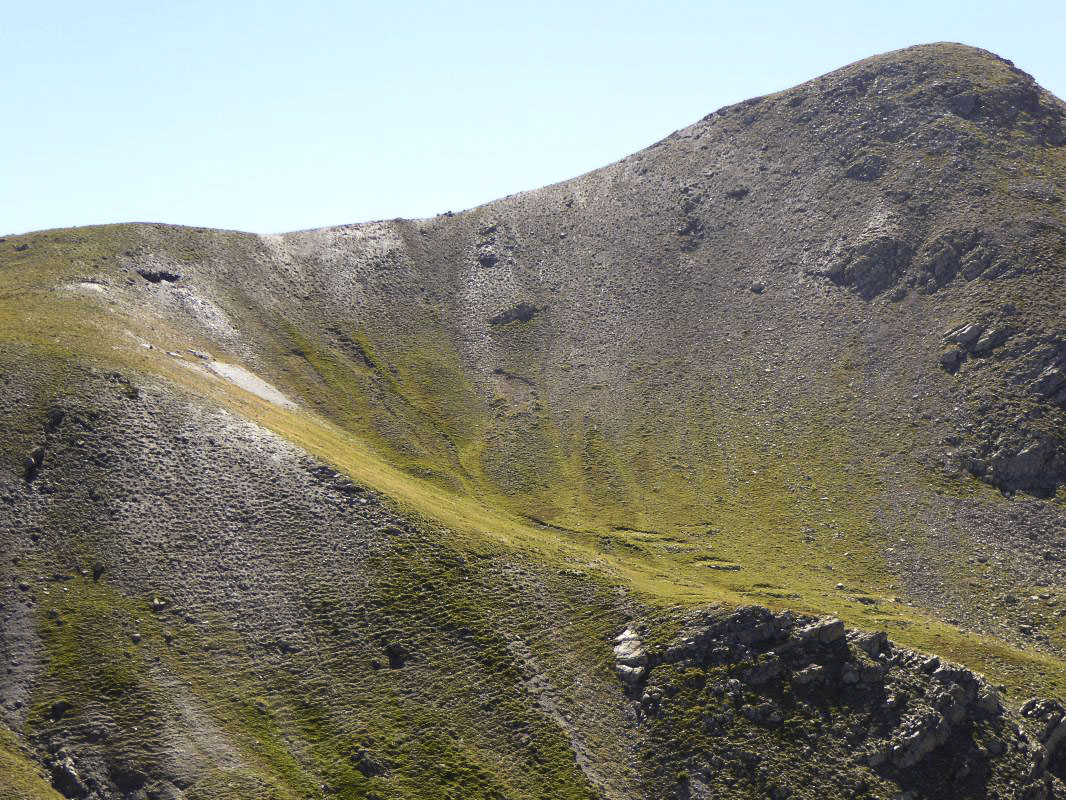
<point x="755" y="703"/>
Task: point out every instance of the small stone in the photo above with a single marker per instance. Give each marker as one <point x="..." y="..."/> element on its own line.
<point x="630" y="653"/>
<point x="630" y="675"/>
<point x="65" y="777"/>
<point x="895" y="700"/>
<point x="812" y="674"/>
<point x="397" y="655"/>
<point x="988" y="701"/>
<point x="990" y="340"/>
<point x="966" y="335"/>
<point x="951" y="359"/>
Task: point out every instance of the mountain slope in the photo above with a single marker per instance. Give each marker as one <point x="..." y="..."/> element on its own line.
<point x="805" y="353"/>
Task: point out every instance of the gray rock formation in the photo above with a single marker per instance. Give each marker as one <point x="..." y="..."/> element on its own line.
<point x="859" y="711"/>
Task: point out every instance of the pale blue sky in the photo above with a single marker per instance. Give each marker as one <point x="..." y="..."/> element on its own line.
<point x="271" y="116"/>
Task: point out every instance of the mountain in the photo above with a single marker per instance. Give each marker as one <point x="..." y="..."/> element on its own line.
<point x="732" y="469"/>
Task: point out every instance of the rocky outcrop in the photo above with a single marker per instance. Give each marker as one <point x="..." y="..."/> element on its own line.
<point x="888" y="717"/>
<point x="900" y="258"/>
<point x="969" y="252"/>
<point x="520" y="312"/>
<point x="1012" y="366"/>
<point x="630" y="657"/>
<point x="873" y="263"/>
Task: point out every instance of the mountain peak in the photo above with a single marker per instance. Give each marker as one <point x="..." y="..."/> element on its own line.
<point x="943" y="60"/>
<point x="943" y="77"/>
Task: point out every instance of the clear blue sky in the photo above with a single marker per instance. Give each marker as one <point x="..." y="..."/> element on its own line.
<point x="271" y="116"/>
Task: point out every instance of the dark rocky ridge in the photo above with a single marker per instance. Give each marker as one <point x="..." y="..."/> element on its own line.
<point x="859" y="715"/>
<point x="779" y="356"/>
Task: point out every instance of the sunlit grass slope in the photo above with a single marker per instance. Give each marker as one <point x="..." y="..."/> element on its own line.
<point x="773" y="511"/>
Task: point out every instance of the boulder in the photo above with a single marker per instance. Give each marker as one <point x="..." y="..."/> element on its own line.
<point x="967" y="335"/>
<point x="952" y="359"/>
<point x="826" y="631"/>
